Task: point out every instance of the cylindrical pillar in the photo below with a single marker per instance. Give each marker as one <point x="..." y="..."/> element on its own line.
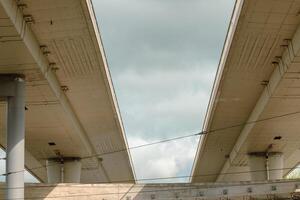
<point x="275" y="165"/>
<point x="15" y="142"/>
<point x="64" y="170"/>
<point x="72" y="171"/>
<point x="257" y="166"/>
<point x="53" y="171"/>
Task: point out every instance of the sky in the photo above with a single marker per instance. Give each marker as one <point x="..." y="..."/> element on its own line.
<point x="28" y="177"/>
<point x="163" y="56"/>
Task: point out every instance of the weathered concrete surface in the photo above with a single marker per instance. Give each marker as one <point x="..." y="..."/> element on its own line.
<point x="184" y="191"/>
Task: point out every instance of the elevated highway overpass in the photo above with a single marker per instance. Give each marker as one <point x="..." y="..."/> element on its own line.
<point x="258" y="78"/>
<point x="58" y="107"/>
<point x="53" y="58"/>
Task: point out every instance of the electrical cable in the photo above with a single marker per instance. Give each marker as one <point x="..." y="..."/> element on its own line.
<point x="173" y="139"/>
<point x="179" y="177"/>
<point x="170" y="139"/>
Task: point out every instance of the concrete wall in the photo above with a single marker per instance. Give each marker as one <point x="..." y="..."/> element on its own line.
<point x="183" y="191"/>
<point x="73" y="191"/>
<point x="102" y="191"/>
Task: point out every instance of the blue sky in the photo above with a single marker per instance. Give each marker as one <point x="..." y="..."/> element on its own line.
<point x="163" y="56"/>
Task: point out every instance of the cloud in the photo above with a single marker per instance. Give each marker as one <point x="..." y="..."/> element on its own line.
<point x="145" y="34"/>
<point x="160" y="160"/>
<point x="171" y="101"/>
<point x="163" y="55"/>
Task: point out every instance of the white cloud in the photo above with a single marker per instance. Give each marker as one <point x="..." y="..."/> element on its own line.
<point x="163" y="56"/>
<point x="164" y="103"/>
<point x="163" y="160"/>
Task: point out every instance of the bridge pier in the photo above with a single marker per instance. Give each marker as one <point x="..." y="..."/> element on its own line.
<point x="275" y="166"/>
<point x="12" y="90"/>
<point x="64" y="170"/>
<point x="257" y="166"/>
<point x="265" y="166"/>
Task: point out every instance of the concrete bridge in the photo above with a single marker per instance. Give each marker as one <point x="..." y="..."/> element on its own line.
<point x="59" y="116"/>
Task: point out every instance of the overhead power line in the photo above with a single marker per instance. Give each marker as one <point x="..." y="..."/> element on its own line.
<point x="212" y="131"/>
<point x="172" y="177"/>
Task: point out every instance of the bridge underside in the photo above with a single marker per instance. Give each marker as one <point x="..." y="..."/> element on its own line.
<point x="71" y="110"/>
<point x="258" y="79"/>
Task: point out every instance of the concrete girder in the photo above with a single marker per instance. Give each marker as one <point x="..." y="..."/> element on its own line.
<point x="214" y="95"/>
<point x="283" y="65"/>
<point x="108" y="81"/>
<point x="14" y="13"/>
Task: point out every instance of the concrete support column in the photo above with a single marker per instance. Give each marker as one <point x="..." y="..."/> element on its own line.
<point x="275" y="166"/>
<point x="257" y="166"/>
<point x="72" y="171"/>
<point x="64" y="170"/>
<point x="265" y="165"/>
<point x="53" y="171"/>
<point x="15" y="141"/>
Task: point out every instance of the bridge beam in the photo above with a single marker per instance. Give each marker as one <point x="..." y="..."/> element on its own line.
<point x="30" y="41"/>
<point x="284" y="64"/>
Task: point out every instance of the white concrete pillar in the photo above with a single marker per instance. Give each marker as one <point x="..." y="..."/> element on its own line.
<point x="67" y="172"/>
<point x="53" y="171"/>
<point x="275" y="166"/>
<point x="72" y="171"/>
<point x="15" y="141"/>
<point x="257" y="166"/>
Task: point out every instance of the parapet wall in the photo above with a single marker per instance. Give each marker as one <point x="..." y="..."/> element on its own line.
<point x="183" y="191"/>
<point x="73" y="191"/>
